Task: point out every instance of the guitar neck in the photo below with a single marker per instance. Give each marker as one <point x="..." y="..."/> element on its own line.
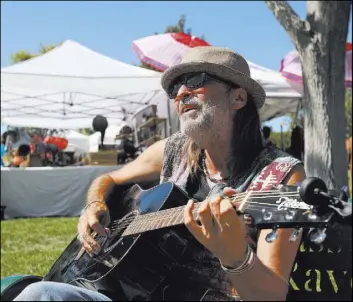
<point x="158" y="220"/>
<point x="245" y="202"/>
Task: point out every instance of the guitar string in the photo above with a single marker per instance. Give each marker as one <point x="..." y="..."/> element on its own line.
<point x="234" y="198"/>
<point x="121" y="228"/>
<point x="125" y="223"/>
<point x="171" y="212"/>
<point x="177" y="209"/>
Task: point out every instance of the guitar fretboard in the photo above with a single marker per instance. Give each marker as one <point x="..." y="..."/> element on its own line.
<point x="162" y="219"/>
<point x="271" y="200"/>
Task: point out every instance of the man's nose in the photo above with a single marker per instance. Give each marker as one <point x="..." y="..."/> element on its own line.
<point x="183" y="90"/>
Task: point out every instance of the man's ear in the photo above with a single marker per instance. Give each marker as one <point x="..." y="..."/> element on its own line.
<point x="238" y="98"/>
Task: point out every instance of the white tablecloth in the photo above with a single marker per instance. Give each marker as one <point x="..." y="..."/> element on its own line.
<point x="47" y="191"/>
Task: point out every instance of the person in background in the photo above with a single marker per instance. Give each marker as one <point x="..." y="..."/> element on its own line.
<point x="3" y="152"/>
<point x="296" y="148"/>
<point x="46" y="152"/>
<point x="266" y="131"/>
<point x="349" y="154"/>
<point x="127" y="150"/>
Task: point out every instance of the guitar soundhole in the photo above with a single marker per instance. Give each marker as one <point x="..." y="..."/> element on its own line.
<point x="117" y="228"/>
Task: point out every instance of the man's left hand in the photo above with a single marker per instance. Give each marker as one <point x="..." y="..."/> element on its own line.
<point x="222" y="230"/>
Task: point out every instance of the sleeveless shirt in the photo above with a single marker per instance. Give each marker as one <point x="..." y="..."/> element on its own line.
<point x="175" y="170"/>
<point x="175" y="167"/>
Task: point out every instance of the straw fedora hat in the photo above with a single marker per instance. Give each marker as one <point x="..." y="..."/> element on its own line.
<point x="218" y="61"/>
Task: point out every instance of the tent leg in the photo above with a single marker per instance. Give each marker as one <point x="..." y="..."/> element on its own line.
<point x="169" y="119"/>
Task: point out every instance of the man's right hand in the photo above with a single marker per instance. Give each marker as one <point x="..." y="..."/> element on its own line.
<point x="147" y="167"/>
<point x="94" y="218"/>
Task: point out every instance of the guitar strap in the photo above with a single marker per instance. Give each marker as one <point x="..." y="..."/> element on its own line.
<point x="272" y="175"/>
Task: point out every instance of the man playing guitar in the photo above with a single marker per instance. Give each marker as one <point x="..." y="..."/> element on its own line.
<point x="220" y="151"/>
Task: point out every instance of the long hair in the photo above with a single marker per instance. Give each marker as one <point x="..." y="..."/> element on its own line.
<point x="246" y="142"/>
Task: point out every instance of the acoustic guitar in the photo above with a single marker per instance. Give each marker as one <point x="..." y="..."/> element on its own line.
<point x="150" y="255"/>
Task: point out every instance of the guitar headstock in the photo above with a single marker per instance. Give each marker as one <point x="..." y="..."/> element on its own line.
<point x="284" y="207"/>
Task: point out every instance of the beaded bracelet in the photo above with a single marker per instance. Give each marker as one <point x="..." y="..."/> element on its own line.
<point x="245" y="266"/>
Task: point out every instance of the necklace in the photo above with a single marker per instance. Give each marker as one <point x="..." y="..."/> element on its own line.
<point x="205" y="170"/>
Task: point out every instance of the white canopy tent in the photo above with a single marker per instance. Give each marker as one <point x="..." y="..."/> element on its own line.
<point x="77" y="141"/>
<point x="281" y="99"/>
<point x="68" y="86"/>
<point x="71" y="84"/>
<point x="109" y="137"/>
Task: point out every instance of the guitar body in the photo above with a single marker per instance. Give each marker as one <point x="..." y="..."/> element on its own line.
<point x="150" y="255"/>
<point x="148" y="266"/>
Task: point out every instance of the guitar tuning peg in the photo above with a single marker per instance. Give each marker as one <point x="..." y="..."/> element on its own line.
<point x="312" y="216"/>
<point x="271" y="237"/>
<point x="289" y="214"/>
<point x="318" y="236"/>
<point x="343" y="194"/>
<point x="295" y="234"/>
<point x="266" y="215"/>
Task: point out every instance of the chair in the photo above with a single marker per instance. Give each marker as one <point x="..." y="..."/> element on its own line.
<point x="12" y="286"/>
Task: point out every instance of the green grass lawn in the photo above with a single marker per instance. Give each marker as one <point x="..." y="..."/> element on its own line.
<point x="31" y="246"/>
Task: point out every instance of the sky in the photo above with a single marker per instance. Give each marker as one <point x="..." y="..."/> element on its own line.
<point x="247" y="27"/>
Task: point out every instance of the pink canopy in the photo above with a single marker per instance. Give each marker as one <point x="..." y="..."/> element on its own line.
<point x="291" y="67"/>
<point x="164" y="50"/>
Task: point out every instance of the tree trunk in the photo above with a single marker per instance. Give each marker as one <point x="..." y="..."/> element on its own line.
<point x="323" y="67"/>
<point x="321" y="43"/>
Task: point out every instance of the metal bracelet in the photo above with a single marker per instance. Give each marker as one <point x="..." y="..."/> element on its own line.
<point x="87" y="205"/>
<point x="245" y="266"/>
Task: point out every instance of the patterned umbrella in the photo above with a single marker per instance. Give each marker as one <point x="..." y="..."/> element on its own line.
<point x="291" y="67"/>
<point x="164" y="50"/>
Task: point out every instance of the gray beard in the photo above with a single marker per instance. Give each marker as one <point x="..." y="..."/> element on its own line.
<point x="208" y="125"/>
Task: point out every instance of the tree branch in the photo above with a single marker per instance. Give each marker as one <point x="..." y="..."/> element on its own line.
<point x="289" y="19"/>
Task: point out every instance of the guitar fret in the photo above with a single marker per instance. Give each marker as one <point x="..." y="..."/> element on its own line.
<point x="151" y="222"/>
<point x="139" y="226"/>
<point x="162" y="222"/>
<point x="172" y="217"/>
<point x="165" y="220"/>
<point x="246" y="202"/>
<point x="144" y="224"/>
<point x="128" y="230"/>
<point x="177" y="217"/>
<point x="156" y="222"/>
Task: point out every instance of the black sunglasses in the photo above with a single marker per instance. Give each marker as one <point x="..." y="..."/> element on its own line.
<point x="192" y="81"/>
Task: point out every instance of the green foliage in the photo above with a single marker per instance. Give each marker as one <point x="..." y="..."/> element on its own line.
<point x="46" y="48"/>
<point x="24" y="55"/>
<point x="86" y="131"/>
<point x="275" y="137"/>
<point x="143" y="65"/>
<point x="177" y="28"/>
<point x="21" y="56"/>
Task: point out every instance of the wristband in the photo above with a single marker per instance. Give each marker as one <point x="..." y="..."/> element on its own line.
<point x="87" y="205"/>
<point x="245" y="266"/>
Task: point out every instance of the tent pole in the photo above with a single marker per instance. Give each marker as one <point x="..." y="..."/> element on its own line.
<point x="169" y="118"/>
